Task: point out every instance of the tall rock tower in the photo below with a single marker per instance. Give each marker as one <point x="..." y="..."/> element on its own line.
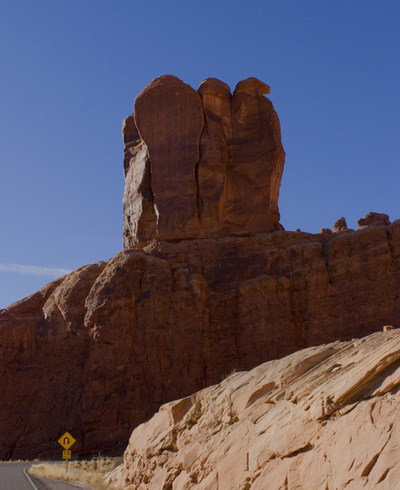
<point x="201" y="164"/>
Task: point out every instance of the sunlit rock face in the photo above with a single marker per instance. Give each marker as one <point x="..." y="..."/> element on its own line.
<point x="324" y="417"/>
<point x="201" y="164"/>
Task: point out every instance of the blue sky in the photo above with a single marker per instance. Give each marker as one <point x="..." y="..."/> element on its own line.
<point x="69" y="73"/>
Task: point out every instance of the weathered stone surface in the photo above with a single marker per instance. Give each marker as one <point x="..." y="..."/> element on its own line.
<point x="374" y="219"/>
<point x="140" y="217"/>
<point x="214" y="161"/>
<point x="201" y="164"/>
<point x="324" y="417"/>
<point x="256" y="159"/>
<point x="340" y="225"/>
<point x="98" y="352"/>
<point x="169" y="117"/>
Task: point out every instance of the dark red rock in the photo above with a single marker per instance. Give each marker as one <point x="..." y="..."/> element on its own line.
<point x="214" y="160"/>
<point x="98" y="352"/>
<point x="256" y="160"/>
<point x="373" y="219"/>
<point x="201" y="165"/>
<point x="169" y="117"/>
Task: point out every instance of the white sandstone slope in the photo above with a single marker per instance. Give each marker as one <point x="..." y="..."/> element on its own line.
<point x="326" y="417"/>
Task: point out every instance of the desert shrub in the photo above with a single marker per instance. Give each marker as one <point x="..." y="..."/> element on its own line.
<point x="90" y="472"/>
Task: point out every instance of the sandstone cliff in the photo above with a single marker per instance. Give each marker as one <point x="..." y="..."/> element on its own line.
<point x="324" y="417"/>
<point x="212" y="284"/>
<point x="97" y="352"/>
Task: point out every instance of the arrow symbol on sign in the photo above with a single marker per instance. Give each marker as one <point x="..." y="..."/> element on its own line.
<point x="66" y="440"/>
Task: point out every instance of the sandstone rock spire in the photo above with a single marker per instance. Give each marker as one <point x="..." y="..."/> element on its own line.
<point x="201" y="164"/>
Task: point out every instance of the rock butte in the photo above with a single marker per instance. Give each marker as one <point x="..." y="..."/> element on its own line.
<point x="208" y="281"/>
<point x="325" y="417"/>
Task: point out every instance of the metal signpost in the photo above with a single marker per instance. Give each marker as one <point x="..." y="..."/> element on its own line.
<point x="66" y="441"/>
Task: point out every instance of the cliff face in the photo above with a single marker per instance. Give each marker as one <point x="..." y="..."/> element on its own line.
<point x="213" y="283"/>
<point x="324" y="417"/>
<point x="97" y="353"/>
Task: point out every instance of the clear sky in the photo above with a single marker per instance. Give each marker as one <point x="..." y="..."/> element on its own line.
<point x="69" y="73"/>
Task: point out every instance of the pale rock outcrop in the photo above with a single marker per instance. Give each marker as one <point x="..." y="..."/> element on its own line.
<point x="324" y="417"/>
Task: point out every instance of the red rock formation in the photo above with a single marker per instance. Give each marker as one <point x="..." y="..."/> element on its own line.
<point x="373" y="219"/>
<point x="255" y="163"/>
<point x="169" y="117"/>
<point x="139" y="214"/>
<point x="201" y="164"/>
<point x="315" y="419"/>
<point x="340" y="225"/>
<point x="214" y="160"/>
<point x="98" y="352"/>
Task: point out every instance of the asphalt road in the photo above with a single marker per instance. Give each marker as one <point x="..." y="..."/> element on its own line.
<point x="13" y="477"/>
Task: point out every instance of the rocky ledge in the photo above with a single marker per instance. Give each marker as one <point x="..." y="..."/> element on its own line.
<point x="324" y="417"/>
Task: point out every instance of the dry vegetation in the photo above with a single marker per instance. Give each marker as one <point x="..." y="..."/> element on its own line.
<point x="87" y="473"/>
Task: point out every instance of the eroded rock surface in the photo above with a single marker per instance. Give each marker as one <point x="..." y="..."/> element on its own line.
<point x="340" y="225"/>
<point x="324" y="417"/>
<point x="97" y="352"/>
<point x="201" y="163"/>
<point x="373" y="219"/>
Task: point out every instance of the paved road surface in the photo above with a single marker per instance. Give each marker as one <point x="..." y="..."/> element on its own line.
<point x="12" y="477"/>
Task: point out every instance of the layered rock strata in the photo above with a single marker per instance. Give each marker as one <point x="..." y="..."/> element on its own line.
<point x="201" y="164"/>
<point x="97" y="352"/>
<point x="324" y="417"/>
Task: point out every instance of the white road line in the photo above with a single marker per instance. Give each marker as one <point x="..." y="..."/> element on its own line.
<point x="30" y="480"/>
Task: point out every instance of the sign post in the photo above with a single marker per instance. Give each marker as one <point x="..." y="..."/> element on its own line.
<point x="66" y="441"/>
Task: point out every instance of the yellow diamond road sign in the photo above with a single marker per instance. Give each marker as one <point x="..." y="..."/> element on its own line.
<point x="66" y="440"/>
